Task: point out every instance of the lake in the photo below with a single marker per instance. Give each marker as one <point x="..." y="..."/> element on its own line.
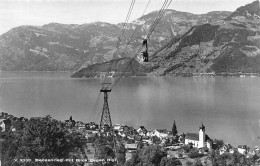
<point x="227" y="106"/>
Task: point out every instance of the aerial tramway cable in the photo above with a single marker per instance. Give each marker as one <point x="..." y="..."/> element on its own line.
<point x="117" y="49"/>
<point x="125" y="23"/>
<point x="128" y="45"/>
<point x="95" y="107"/>
<point x="160" y="14"/>
<point x="165" y="6"/>
<point x="121" y="36"/>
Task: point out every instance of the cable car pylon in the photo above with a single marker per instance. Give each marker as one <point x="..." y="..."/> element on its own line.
<point x="105" y="121"/>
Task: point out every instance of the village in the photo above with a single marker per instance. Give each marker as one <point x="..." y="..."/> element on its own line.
<point x="185" y="147"/>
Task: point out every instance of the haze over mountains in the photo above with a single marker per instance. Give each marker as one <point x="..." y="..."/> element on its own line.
<point x="60" y="47"/>
<point x="229" y="45"/>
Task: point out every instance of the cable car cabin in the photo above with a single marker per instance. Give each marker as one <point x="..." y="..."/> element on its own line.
<point x="145" y="56"/>
<point x="145" y="53"/>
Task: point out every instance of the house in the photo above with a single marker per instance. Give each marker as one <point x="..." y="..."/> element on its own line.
<point x="91" y="126"/>
<point x="80" y="125"/>
<point x="199" y="140"/>
<point x="3" y="115"/>
<point x="192" y="138"/>
<point x="70" y="122"/>
<point x="242" y="149"/>
<point x="223" y="149"/>
<point x="142" y="131"/>
<point x="121" y="133"/>
<point x="5" y="124"/>
<point x="160" y="133"/>
<point x="147" y="142"/>
<point x="2" y="125"/>
<point x="131" y="146"/>
<point x="231" y="151"/>
<point x="129" y="130"/>
<point x="226" y="148"/>
<point x="250" y="154"/>
<point x="117" y="127"/>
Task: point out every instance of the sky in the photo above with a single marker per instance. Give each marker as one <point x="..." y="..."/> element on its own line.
<point x="15" y="13"/>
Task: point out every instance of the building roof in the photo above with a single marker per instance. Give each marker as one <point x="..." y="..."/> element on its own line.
<point x="162" y="131"/>
<point x="131" y="146"/>
<point x="207" y="138"/>
<point x="192" y="136"/>
<point x="202" y="127"/>
<point x="242" y="146"/>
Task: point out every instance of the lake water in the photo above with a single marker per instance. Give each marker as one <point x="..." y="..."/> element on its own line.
<point x="228" y="107"/>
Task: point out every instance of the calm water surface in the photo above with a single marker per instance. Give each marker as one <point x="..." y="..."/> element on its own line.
<point x="229" y="107"/>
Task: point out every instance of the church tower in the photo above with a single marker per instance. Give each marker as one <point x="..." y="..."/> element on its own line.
<point x="202" y="140"/>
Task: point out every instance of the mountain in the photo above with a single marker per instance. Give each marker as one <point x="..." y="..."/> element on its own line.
<point x="55" y="46"/>
<point x="249" y="11"/>
<point x="231" y="45"/>
<point x="225" y="46"/>
<point x="61" y="47"/>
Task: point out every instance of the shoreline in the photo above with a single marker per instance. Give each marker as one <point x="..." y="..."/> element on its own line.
<point x="99" y="74"/>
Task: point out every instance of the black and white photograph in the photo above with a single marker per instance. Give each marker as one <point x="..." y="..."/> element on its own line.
<point x="129" y="82"/>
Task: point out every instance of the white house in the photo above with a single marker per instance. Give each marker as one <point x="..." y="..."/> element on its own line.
<point x="5" y="125"/>
<point x="226" y="148"/>
<point x="117" y="127"/>
<point x="243" y="149"/>
<point x="2" y="125"/>
<point x="161" y="133"/>
<point x="131" y="146"/>
<point x="199" y="140"/>
<point x="142" y="131"/>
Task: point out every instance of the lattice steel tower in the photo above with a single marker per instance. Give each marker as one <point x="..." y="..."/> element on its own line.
<point x="105" y="117"/>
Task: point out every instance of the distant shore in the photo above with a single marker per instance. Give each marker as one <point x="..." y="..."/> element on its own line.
<point x="128" y="74"/>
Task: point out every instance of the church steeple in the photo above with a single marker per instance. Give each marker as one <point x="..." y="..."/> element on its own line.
<point x="202" y="127"/>
<point x="202" y="139"/>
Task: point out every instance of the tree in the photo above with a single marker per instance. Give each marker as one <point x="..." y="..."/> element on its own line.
<point x="156" y="140"/>
<point x="194" y="153"/>
<point x="152" y="155"/>
<point x="148" y="156"/>
<point x="186" y="148"/>
<point x="135" y="159"/>
<point x="170" y="162"/>
<point x="198" y="163"/>
<point x="174" y="129"/>
<point x="255" y="157"/>
<point x="218" y="144"/>
<point x="120" y="154"/>
<point x="41" y="138"/>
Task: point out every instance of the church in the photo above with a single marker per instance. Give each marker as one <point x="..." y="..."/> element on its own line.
<point x="198" y="140"/>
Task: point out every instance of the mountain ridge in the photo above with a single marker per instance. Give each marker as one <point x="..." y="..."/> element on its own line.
<point x="68" y="47"/>
<point x="229" y="45"/>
